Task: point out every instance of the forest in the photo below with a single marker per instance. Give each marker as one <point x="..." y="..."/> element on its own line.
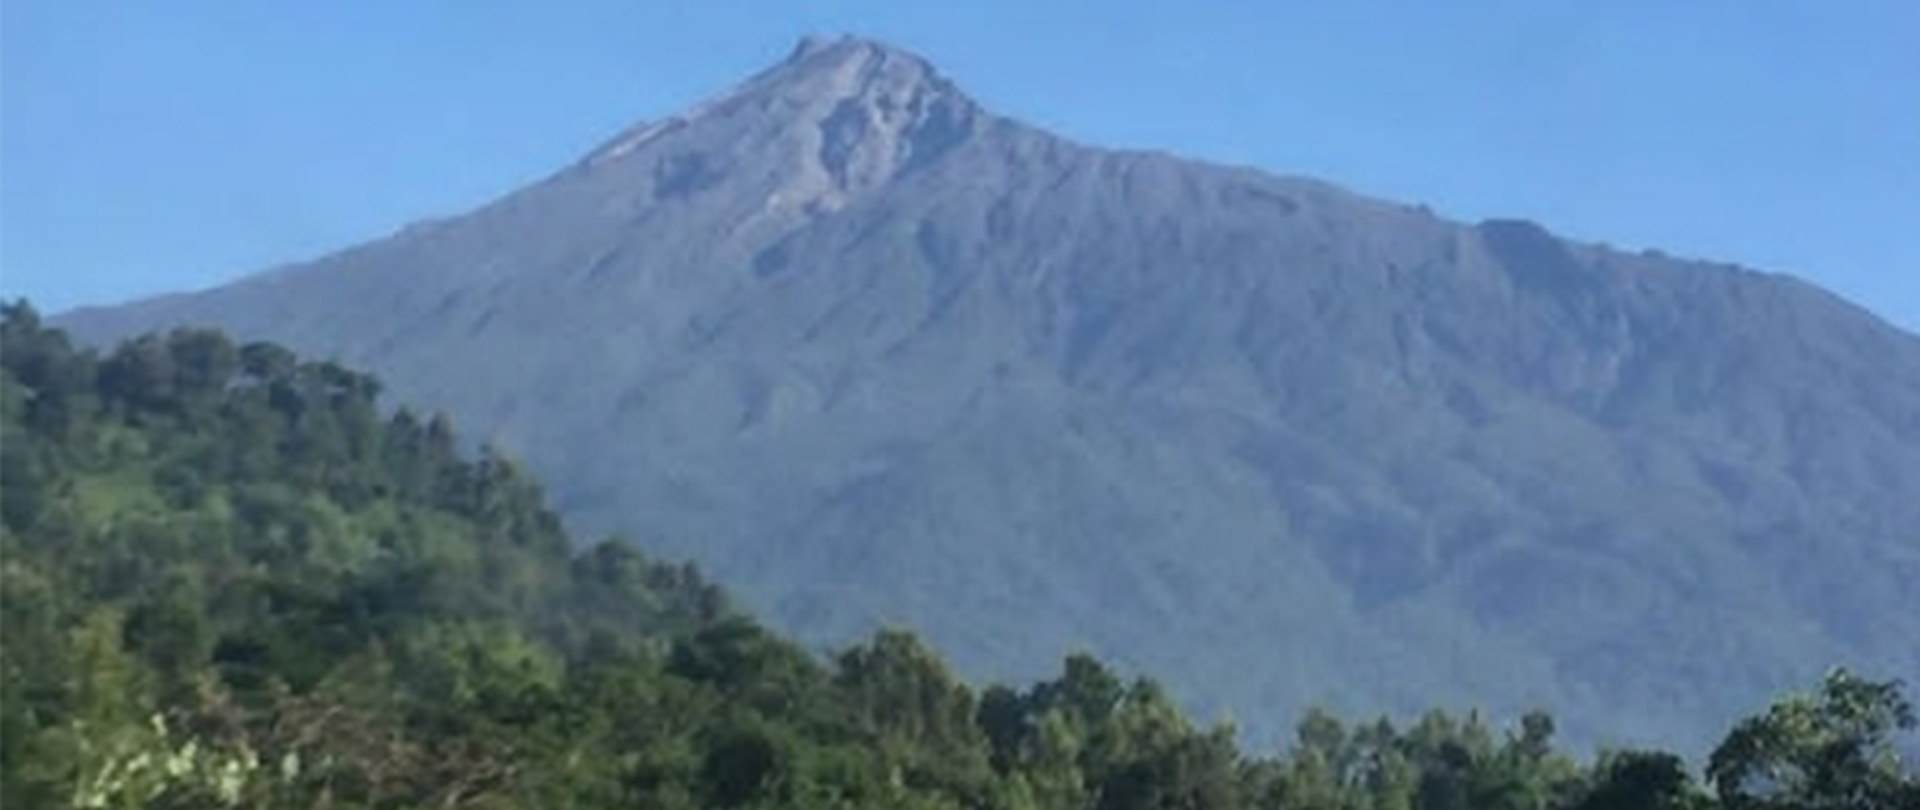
<point x="233" y="578"/>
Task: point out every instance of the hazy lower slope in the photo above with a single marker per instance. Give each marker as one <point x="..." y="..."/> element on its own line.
<point x="870" y="353"/>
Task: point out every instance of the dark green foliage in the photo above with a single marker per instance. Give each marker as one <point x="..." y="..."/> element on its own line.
<point x="1831" y="750"/>
<point x="1637" y="780"/>
<point x="229" y="581"/>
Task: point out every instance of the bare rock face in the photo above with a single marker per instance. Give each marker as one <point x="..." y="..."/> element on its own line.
<point x="872" y="354"/>
<point x="865" y="114"/>
<point x="847" y="117"/>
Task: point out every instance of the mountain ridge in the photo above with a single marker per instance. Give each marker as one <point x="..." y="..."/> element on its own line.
<point x="846" y="45"/>
<point x="868" y="370"/>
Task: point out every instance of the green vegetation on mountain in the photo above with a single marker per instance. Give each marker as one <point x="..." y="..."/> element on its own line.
<point x="231" y="581"/>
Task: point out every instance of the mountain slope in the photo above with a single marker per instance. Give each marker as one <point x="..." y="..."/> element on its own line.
<point x="871" y="353"/>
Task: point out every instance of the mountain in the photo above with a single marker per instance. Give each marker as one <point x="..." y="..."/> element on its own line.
<point x="872" y="354"/>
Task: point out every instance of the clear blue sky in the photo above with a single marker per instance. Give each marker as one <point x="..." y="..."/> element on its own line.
<point x="149" y="147"/>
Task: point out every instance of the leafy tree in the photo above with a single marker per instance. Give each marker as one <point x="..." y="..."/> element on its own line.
<point x="1828" y="750"/>
<point x="1642" y="780"/>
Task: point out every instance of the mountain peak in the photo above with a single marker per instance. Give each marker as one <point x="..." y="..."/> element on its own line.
<point x="813" y="46"/>
<point x="865" y="71"/>
<point x="816" y="50"/>
<point x="853" y="113"/>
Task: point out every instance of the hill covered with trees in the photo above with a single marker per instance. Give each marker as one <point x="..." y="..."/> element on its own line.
<point x="231" y="580"/>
